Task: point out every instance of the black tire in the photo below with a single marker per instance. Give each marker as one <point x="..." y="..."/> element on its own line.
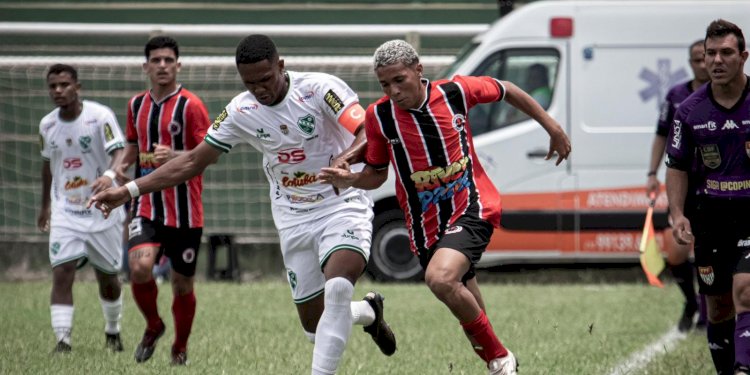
<point x="391" y="258"/>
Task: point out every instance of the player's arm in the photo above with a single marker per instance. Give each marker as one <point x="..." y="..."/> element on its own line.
<point x="677" y="182"/>
<point x="559" y="142"/>
<point x="353" y="120"/>
<point x="657" y="153"/>
<point x="178" y="170"/>
<point x="105" y="180"/>
<point x="369" y="178"/>
<point x="44" y="212"/>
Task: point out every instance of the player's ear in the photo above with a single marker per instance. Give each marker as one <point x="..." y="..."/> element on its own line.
<point x="281" y="64"/>
<point x="179" y="65"/>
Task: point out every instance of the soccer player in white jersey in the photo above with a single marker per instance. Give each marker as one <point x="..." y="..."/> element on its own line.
<point x="81" y="143"/>
<point x="301" y="122"/>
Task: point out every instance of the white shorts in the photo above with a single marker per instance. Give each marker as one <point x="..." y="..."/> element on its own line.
<point x="307" y="246"/>
<point x="103" y="249"/>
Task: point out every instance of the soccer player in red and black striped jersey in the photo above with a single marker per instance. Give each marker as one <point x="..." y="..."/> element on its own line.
<point x="421" y="128"/>
<point x="162" y="123"/>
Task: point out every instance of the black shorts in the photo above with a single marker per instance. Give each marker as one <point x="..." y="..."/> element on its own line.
<point x="468" y="235"/>
<point x="180" y="245"/>
<point x="722" y="242"/>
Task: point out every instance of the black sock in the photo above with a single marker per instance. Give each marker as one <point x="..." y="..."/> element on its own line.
<point x="721" y="343"/>
<point x="683" y="275"/>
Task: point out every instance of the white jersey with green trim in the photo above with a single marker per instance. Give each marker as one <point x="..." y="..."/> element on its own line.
<point x="78" y="153"/>
<point x="297" y="137"/>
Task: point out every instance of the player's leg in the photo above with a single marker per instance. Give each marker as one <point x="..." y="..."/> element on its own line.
<point x="144" y="251"/>
<point x="678" y="261"/>
<point x="65" y="249"/>
<point x="181" y="245"/>
<point x="741" y="299"/>
<point x="104" y="254"/>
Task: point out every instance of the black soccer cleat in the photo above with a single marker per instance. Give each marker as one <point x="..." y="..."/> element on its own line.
<point x="379" y="329"/>
<point x="179" y="358"/>
<point x="62" y="347"/>
<point x="686" y="320"/>
<point x="113" y="342"/>
<point x="146" y="347"/>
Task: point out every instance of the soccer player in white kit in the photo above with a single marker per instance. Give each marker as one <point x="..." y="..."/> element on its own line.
<point x="301" y="122"/>
<point x="81" y="143"/>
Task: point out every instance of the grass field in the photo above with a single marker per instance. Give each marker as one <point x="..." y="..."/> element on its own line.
<point x="252" y="328"/>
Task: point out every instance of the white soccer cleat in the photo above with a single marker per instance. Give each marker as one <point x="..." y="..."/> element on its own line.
<point x="504" y="365"/>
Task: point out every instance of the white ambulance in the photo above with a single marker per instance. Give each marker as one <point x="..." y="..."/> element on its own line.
<point x="608" y="65"/>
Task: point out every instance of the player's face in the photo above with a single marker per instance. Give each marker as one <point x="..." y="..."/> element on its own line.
<point x="162" y="67"/>
<point x="63" y="89"/>
<point x="724" y="60"/>
<point x="402" y="84"/>
<point x="698" y="63"/>
<point x="265" y="80"/>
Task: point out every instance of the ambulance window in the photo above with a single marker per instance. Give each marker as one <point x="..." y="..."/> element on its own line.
<point x="533" y="70"/>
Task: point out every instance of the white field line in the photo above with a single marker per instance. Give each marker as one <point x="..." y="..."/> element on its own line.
<point x="639" y="360"/>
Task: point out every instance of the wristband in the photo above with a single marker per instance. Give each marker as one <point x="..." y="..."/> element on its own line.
<point x="133" y="189"/>
<point x="651" y="173"/>
<point x="110" y="173"/>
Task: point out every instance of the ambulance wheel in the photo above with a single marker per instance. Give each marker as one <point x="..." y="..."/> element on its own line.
<point x="390" y="256"/>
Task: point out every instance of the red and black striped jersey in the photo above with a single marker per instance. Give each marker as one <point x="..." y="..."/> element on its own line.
<point x="438" y="175"/>
<point x="180" y="120"/>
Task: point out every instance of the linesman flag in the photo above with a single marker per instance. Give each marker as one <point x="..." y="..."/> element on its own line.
<point x="651" y="259"/>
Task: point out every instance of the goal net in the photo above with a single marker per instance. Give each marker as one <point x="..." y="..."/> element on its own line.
<point x="235" y="197"/>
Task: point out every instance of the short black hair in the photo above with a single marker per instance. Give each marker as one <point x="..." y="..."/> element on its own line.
<point x="721" y="27"/>
<point x="698" y="42"/>
<point x="161" y="41"/>
<point x="254" y="48"/>
<point x="63" y="68"/>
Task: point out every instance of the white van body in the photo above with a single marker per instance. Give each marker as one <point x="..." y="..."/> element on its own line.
<point x="609" y="75"/>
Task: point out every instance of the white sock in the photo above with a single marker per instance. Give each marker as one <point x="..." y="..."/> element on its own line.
<point x="62" y="322"/>
<point x="310" y="336"/>
<point x="362" y="313"/>
<point x="334" y="326"/>
<point x="112" y="314"/>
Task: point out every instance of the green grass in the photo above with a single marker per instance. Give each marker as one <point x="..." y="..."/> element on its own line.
<point x="252" y="328"/>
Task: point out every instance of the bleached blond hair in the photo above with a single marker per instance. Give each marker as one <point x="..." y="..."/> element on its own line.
<point x="394" y="52"/>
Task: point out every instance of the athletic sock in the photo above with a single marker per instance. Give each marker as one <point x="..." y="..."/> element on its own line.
<point x="112" y="314"/>
<point x="742" y="339"/>
<point x="334" y="326"/>
<point x="362" y="313"/>
<point x="721" y="343"/>
<point x="62" y="322"/>
<point x="683" y="275"/>
<point x="183" y="311"/>
<point x="145" y="297"/>
<point x="480" y="329"/>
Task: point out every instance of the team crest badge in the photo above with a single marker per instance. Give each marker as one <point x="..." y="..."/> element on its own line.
<point x="454" y="229"/>
<point x="292" y="278"/>
<point x="174" y="128"/>
<point x="284" y="129"/>
<point x="459" y="122"/>
<point x="85" y="142"/>
<point x="707" y="274"/>
<point x="747" y="148"/>
<point x="54" y="248"/>
<point x="188" y="255"/>
<point x="711" y="156"/>
<point x="306" y="124"/>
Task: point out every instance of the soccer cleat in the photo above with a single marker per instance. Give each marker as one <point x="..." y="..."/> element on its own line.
<point x="379" y="329"/>
<point x="113" y="342"/>
<point x="507" y="365"/>
<point x="146" y="347"/>
<point x="179" y="358"/>
<point x="686" y="320"/>
<point x="62" y="347"/>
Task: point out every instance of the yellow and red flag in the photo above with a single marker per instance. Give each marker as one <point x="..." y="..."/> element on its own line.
<point x="651" y="259"/>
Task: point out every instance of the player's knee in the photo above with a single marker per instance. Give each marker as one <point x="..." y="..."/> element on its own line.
<point x="310" y="336"/>
<point x="439" y="282"/>
<point x="338" y="291"/>
<point x="742" y="294"/>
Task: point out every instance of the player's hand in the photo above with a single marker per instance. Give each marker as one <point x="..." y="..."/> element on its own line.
<point x="560" y="144"/>
<point x="162" y="153"/>
<point x="341" y="178"/>
<point x="100" y="184"/>
<point x="681" y="230"/>
<point x="652" y="186"/>
<point x="42" y="221"/>
<point x="109" y="199"/>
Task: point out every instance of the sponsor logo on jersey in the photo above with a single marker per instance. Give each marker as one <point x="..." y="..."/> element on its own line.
<point x="437" y="184"/>
<point x="744" y="243"/>
<point x="135" y="228"/>
<point x="222" y="116"/>
<point x="711" y="125"/>
<point x="261" y="134"/>
<point x="284" y="129"/>
<point x="174" y="128"/>
<point x="299" y="179"/>
<point x="85" y="142"/>
<point x="729" y="125"/>
<point x="745" y="122"/>
<point x="146" y="162"/>
<point x="305" y="97"/>
<point x="72" y="163"/>
<point x="349" y="234"/>
<point x="459" y="122"/>
<point x="75" y="183"/>
<point x="677" y="133"/>
<point x="333" y="101"/>
<point x="247" y="108"/>
<point x="291" y="156"/>
<point x="306" y="124"/>
<point x="711" y="156"/>
<point x="108" y="135"/>
<point x="394" y="141"/>
<point x="295" y="198"/>
<point x="706" y="274"/>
